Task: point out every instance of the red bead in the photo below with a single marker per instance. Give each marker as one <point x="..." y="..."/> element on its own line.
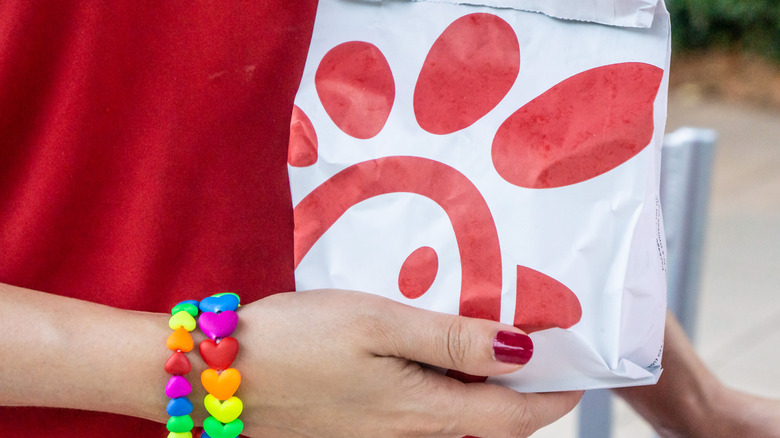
<point x="178" y="364"/>
<point x="221" y="355"/>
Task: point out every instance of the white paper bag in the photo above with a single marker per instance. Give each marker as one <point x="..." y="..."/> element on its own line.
<point x="495" y="162"/>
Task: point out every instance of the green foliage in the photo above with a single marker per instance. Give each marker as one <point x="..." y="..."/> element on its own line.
<point x="752" y="25"/>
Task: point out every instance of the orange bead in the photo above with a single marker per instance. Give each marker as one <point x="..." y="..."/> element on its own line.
<point x="180" y="339"/>
<point x="221" y="385"/>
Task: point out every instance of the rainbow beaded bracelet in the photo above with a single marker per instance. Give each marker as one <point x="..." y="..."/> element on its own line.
<point x="218" y="320"/>
<point x="182" y="322"/>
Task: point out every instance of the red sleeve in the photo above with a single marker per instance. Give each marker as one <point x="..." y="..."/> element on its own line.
<point x="143" y="151"/>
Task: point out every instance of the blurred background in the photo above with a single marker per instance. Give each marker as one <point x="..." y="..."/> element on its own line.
<point x="725" y="75"/>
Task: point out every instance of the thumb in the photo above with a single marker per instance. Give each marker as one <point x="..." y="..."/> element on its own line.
<point x="470" y="345"/>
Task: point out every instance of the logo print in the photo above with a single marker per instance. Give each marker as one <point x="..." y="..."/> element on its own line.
<point x="580" y="128"/>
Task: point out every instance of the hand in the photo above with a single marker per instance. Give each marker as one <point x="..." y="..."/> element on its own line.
<point x="318" y="364"/>
<point x="347" y="364"/>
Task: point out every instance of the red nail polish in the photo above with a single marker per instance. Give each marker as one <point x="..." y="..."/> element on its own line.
<point x="513" y="348"/>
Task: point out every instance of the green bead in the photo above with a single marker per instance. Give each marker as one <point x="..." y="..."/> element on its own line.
<point x="187" y="307"/>
<point x="180" y="424"/>
<point x="215" y="429"/>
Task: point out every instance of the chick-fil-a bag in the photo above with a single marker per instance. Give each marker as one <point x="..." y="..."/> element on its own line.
<point x="497" y="159"/>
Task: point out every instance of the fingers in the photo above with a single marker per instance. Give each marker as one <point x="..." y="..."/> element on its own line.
<point x="505" y="413"/>
<point x="489" y="411"/>
<point x="473" y="346"/>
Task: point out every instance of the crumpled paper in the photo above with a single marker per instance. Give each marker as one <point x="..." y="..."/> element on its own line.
<point x="626" y="13"/>
<point x="496" y="163"/>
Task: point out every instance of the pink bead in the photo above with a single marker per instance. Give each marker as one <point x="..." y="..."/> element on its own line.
<point x="218" y="325"/>
<point x="177" y="386"/>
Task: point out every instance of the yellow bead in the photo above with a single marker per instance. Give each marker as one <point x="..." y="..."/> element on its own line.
<point x="182" y="319"/>
<point x="226" y="411"/>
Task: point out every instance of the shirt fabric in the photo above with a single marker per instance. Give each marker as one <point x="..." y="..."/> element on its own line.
<point x="143" y="150"/>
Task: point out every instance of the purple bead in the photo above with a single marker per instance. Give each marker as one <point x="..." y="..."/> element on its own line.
<point x="218" y="325"/>
<point x="177" y="386"/>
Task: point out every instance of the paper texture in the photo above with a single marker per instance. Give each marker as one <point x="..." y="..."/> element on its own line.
<point x="493" y="163"/>
<point x="625" y="13"/>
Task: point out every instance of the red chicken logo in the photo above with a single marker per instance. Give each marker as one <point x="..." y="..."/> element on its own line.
<point x="580" y="128"/>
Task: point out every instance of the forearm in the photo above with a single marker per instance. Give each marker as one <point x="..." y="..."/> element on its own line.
<point x="681" y="400"/>
<point x="63" y="352"/>
<point x="690" y="401"/>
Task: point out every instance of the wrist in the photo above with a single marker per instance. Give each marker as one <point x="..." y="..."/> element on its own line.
<point x="205" y="327"/>
<point x="143" y="387"/>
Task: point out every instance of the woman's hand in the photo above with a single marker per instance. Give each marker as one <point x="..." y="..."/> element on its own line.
<point x="313" y="364"/>
<point x="344" y="364"/>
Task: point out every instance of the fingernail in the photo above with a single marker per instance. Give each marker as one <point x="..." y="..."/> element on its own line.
<point x="511" y="347"/>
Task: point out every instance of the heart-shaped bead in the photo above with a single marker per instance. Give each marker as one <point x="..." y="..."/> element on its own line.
<point x="218" y="325"/>
<point x="177" y="386"/>
<point x="215" y="429"/>
<point x="189" y="306"/>
<point x="179" y="406"/>
<point x="224" y="411"/>
<point x="229" y="293"/>
<point x="219" y="303"/>
<point x="181" y="435"/>
<point x="180" y="424"/>
<point x="219" y="355"/>
<point x="180" y="339"/>
<point x="178" y="364"/>
<point x="221" y="385"/>
<point x="182" y="319"/>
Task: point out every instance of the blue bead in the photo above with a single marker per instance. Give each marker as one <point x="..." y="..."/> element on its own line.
<point x="193" y="302"/>
<point x="204" y="435"/>
<point x="218" y="304"/>
<point x="179" y="406"/>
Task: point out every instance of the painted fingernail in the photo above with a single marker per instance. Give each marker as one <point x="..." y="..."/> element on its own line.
<point x="513" y="348"/>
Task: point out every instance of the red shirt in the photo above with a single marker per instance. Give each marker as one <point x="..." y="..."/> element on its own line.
<point x="143" y="150"/>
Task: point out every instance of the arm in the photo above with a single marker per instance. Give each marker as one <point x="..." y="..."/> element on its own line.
<point x="63" y="352"/>
<point x="325" y="364"/>
<point x="690" y="401"/>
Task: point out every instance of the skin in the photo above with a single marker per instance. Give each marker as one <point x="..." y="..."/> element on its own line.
<point x="352" y="370"/>
<point x="690" y="401"/>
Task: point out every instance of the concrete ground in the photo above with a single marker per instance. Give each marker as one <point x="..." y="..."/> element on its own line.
<point x="738" y="328"/>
